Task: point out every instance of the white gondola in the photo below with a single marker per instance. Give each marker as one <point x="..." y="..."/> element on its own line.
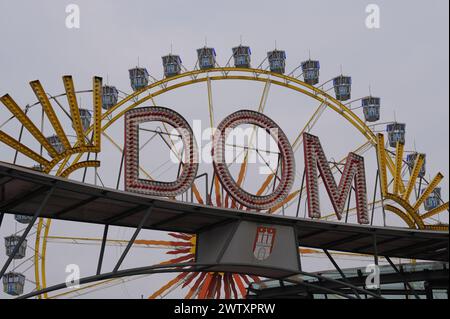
<point x="110" y="96"/>
<point x="371" y="108"/>
<point x="206" y="58"/>
<point x="13" y="283"/>
<point x="56" y="143"/>
<point x="411" y="161"/>
<point x="10" y="244"/>
<point x="23" y="219"/>
<point x="277" y="61"/>
<point x="434" y="200"/>
<point x="172" y="65"/>
<point x="343" y="87"/>
<point x="86" y="117"/>
<point x="311" y="71"/>
<point x="242" y="56"/>
<point x="139" y="78"/>
<point x="396" y="133"/>
<point x="37" y="167"/>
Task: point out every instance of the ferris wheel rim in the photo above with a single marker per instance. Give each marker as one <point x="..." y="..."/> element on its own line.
<point x="314" y="93"/>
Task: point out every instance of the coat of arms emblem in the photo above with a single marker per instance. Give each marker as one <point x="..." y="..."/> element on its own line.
<point x="264" y="241"/>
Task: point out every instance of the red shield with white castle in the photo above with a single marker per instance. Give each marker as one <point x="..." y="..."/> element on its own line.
<point x="264" y="241"/>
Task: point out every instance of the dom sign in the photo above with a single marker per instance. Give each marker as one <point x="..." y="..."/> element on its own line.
<point x="315" y="163"/>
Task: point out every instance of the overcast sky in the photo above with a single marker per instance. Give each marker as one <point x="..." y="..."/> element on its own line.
<point x="405" y="62"/>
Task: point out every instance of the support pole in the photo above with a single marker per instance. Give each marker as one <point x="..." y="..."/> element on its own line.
<point x="102" y="250"/>
<point x="340" y="271"/>
<point x="374" y="197"/>
<point x="403" y="277"/>
<point x="301" y="192"/>
<point x="133" y="238"/>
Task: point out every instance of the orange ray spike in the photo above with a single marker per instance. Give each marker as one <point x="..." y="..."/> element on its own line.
<point x="163" y="243"/>
<point x="179" y="251"/>
<point x="226" y="286"/>
<point x="194" y="288"/>
<point x="240" y="285"/>
<point x="287" y="200"/>
<point x="205" y="286"/>
<point x="181" y="236"/>
<point x="190" y="278"/>
<point x="217" y="190"/>
<point x="167" y="286"/>
<point x="232" y="285"/>
<point x="178" y="260"/>
<point x="197" y="194"/>
<point x="265" y="184"/>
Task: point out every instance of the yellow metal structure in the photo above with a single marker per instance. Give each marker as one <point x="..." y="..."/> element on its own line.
<point x="74" y="109"/>
<point x="50" y="112"/>
<point x="27" y="123"/>
<point x="407" y="211"/>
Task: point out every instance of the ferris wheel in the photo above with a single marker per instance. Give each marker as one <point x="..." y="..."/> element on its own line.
<point x="62" y="136"/>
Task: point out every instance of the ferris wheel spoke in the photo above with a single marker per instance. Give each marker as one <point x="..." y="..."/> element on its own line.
<point x="308" y="126"/>
<point x="120" y="149"/>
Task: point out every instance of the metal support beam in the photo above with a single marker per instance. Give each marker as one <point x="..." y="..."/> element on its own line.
<point x="102" y="250"/>
<point x="404" y="280"/>
<point x="340" y="271"/>
<point x="27" y="231"/>
<point x="133" y="238"/>
<point x="374" y="197"/>
<point x="301" y="193"/>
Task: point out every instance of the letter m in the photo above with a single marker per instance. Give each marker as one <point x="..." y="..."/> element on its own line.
<point x="316" y="161"/>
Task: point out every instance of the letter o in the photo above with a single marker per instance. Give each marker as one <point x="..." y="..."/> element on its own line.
<point x="190" y="164"/>
<point x="221" y="167"/>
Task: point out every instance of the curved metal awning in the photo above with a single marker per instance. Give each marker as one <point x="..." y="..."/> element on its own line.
<point x="23" y="190"/>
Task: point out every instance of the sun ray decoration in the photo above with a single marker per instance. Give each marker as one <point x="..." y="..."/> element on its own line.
<point x="201" y="285"/>
<point x="398" y="197"/>
<point x="67" y="149"/>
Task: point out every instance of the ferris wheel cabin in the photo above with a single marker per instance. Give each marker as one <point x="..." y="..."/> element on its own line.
<point x="371" y="108"/>
<point x="23" y="219"/>
<point x="138" y="78"/>
<point x="411" y="161"/>
<point x="56" y="143"/>
<point x="206" y="58"/>
<point x="277" y="61"/>
<point x="311" y="72"/>
<point x="10" y="244"/>
<point x="110" y="96"/>
<point x="434" y="200"/>
<point x="242" y="57"/>
<point x="13" y="283"/>
<point x="343" y="87"/>
<point x="86" y="117"/>
<point x="396" y="133"/>
<point x="172" y="65"/>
